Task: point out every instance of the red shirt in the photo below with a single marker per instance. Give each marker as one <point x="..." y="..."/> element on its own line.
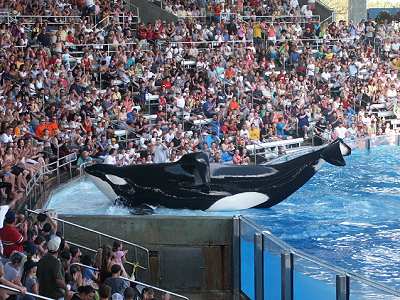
<point x="166" y="84"/>
<point x="12" y="240"/>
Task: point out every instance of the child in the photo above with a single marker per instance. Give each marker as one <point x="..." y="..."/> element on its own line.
<point x="29" y="279"/>
<point x="119" y="254"/>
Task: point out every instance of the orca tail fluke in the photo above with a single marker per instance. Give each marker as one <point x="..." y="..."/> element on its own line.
<point x="334" y="153"/>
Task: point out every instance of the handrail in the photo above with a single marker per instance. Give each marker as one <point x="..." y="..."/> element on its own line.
<point x="278" y="18"/>
<point x="9" y="288"/>
<point x="38" y="16"/>
<point x="101" y="21"/>
<point x="154" y="288"/>
<point x="85" y="266"/>
<point x="321" y="262"/>
<point x="38" y="175"/>
<point x="168" y="42"/>
<point x="134" y="281"/>
<point x="100" y="234"/>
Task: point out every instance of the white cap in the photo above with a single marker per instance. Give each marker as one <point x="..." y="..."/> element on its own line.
<point x="54" y="244"/>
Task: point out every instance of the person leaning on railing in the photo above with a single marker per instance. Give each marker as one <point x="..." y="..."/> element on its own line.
<point x="5" y="294"/>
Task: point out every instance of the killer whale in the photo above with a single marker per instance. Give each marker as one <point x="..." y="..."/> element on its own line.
<point x="194" y="183"/>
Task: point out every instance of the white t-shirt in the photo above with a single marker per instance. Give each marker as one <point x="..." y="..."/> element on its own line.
<point x="5" y="138"/>
<point x="180" y="102"/>
<point x="294" y="3"/>
<point x="169" y="137"/>
<point x="3" y="212"/>
<point x="110" y="160"/>
<point x="89" y="3"/>
<point x="341" y="132"/>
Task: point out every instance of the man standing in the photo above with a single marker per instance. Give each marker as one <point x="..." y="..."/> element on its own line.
<point x="341" y="131"/>
<point x="49" y="272"/>
<point x="161" y="152"/>
<point x="10" y="236"/>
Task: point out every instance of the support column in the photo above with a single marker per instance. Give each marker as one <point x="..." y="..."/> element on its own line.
<point x="342" y="287"/>
<point x="287" y="275"/>
<point x="236" y="257"/>
<point x="258" y="266"/>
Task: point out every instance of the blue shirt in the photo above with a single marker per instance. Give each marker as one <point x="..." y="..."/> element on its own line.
<point x="294" y="57"/>
<point x="215" y="127"/>
<point x="225" y="157"/>
<point x="209" y="139"/>
<point x="279" y="129"/>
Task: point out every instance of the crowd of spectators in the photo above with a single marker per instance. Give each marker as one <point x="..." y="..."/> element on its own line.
<point x="216" y="86"/>
<point x="219" y="8"/>
<point x="35" y="258"/>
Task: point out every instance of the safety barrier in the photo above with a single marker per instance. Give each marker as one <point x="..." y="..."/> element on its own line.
<point x="155" y="288"/>
<point x="32" y="19"/>
<point x="137" y="283"/>
<point x="267" y="268"/>
<point x="18" y="292"/>
<point x="274" y="149"/>
<point x="54" y="20"/>
<point x="285" y="19"/>
<point x="35" y="188"/>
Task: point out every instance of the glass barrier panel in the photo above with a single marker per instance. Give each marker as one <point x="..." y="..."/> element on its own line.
<point x="272" y="269"/>
<point x="247" y="259"/>
<point x="311" y="281"/>
<point x="362" y="291"/>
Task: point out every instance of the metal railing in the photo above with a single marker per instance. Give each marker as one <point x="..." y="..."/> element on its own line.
<point x="29" y="20"/>
<point x="335" y="279"/>
<point x="140" y="254"/>
<point x="136" y="282"/>
<point x="124" y="19"/>
<point x="155" y="288"/>
<point x="35" y="187"/>
<point x="285" y="19"/>
<point x="16" y="291"/>
<point x="32" y="19"/>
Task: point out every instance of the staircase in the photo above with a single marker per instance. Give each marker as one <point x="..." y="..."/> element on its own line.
<point x="323" y="8"/>
<point x="149" y="11"/>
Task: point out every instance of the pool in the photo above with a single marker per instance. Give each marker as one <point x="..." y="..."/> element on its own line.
<point x="346" y="216"/>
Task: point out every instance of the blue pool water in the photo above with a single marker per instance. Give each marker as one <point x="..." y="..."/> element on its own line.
<point x="347" y="216"/>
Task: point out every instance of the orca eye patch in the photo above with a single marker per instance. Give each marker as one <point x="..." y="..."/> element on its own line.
<point x="116" y="180"/>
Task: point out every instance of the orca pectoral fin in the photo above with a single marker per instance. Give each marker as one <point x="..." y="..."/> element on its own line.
<point x="239" y="201"/>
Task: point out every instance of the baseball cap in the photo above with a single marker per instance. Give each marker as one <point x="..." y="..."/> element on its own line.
<point x="54" y="244"/>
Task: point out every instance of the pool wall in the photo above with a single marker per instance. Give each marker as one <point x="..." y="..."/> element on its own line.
<point x="188" y="255"/>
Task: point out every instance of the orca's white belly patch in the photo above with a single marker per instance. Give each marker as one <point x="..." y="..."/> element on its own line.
<point x="239" y="201"/>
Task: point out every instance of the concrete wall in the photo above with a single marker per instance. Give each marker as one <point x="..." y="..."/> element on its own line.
<point x="189" y="255"/>
<point x="320" y="9"/>
<point x="357" y="10"/>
